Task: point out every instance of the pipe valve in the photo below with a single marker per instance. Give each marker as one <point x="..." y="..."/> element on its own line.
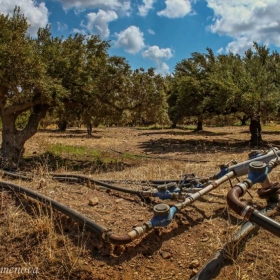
<point x="258" y="171"/>
<point x="161" y="209"/>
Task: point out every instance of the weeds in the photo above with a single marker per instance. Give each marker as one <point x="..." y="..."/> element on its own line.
<point x="34" y="235"/>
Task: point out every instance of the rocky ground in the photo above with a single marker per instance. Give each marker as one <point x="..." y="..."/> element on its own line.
<point x="62" y="249"/>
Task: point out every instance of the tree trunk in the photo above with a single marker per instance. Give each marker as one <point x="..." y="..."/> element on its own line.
<point x="13" y="140"/>
<point x="199" y="124"/>
<point x="62" y="125"/>
<point x="89" y="129"/>
<point x="244" y="119"/>
<point x="255" y="130"/>
<point x="12" y="147"/>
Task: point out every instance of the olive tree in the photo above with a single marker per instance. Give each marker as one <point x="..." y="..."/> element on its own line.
<point x="39" y="75"/>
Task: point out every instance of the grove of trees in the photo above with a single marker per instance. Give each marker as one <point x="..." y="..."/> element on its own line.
<point x="75" y="80"/>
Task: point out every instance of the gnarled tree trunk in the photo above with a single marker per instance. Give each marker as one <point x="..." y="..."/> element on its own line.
<point x="13" y="140"/>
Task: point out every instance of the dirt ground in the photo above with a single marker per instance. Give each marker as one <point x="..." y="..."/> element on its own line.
<point x="61" y="249"/>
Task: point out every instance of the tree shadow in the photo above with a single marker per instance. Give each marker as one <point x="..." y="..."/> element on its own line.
<point x="271" y="132"/>
<point x="55" y="162"/>
<point x="184" y="133"/>
<point x="167" y="145"/>
<point x="75" y="136"/>
<point x="71" y="133"/>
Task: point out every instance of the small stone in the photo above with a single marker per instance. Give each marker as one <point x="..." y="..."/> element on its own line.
<point x="194" y="272"/>
<point x="194" y="264"/>
<point x="165" y="255"/>
<point x="42" y="183"/>
<point x="119" y="200"/>
<point x="119" y="250"/>
<point x="205" y="239"/>
<point x="93" y="201"/>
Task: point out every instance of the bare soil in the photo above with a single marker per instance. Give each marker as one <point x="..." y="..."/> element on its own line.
<point x="34" y="236"/>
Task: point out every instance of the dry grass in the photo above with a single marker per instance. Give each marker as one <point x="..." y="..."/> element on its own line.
<point x="33" y="235"/>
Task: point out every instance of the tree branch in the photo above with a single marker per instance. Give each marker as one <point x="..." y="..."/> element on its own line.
<point x="19" y="108"/>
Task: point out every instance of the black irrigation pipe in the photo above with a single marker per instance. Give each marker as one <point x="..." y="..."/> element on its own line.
<point x="56" y="205"/>
<point x="84" y="179"/>
<point x="16" y="175"/>
<point x="212" y="268"/>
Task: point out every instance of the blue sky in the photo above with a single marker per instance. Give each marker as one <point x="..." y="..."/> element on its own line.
<point x="159" y="33"/>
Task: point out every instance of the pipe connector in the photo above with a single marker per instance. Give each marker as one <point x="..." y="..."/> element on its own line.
<point x="137" y="232"/>
<point x="255" y="154"/>
<point x="163" y="215"/>
<point x="258" y="171"/>
<point x="224" y="171"/>
<point x="173" y="193"/>
<point x="247" y="212"/>
<point x="243" y="186"/>
<point x="163" y="195"/>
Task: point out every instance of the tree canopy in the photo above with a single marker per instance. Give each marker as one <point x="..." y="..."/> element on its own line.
<point x="70" y="77"/>
<point x="75" y="79"/>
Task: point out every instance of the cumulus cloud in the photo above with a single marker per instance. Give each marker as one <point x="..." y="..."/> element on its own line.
<point x="61" y="26"/>
<point x="36" y="14"/>
<point x="131" y="39"/>
<point x="122" y="6"/>
<point x="176" y="8"/>
<point x="246" y="21"/>
<point x="144" y="9"/>
<point x="157" y="55"/>
<point x="98" y="22"/>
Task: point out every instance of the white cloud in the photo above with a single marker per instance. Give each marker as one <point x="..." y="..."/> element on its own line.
<point x="239" y="45"/>
<point x="246" y="21"/>
<point x="80" y="31"/>
<point x="157" y="55"/>
<point x="176" y="8"/>
<point x="36" y="14"/>
<point x="162" y="68"/>
<point x="151" y="31"/>
<point x="98" y="22"/>
<point x="61" y="26"/>
<point x="131" y="39"/>
<point x="122" y="6"/>
<point x="144" y="9"/>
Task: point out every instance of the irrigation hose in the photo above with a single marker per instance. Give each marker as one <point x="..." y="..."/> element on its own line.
<point x="82" y="178"/>
<point x="215" y="263"/>
<point x="56" y="205"/>
<point x="103" y="232"/>
<point x="16" y="175"/>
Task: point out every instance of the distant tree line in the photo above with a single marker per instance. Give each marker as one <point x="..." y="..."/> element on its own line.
<point x="74" y="80"/>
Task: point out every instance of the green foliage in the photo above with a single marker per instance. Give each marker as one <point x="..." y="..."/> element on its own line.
<point x="70" y="79"/>
<point x="76" y="152"/>
<point x="205" y="85"/>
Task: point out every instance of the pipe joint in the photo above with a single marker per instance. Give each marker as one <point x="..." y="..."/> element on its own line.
<point x="258" y="171"/>
<point x="137" y="232"/>
<point x="147" y="193"/>
<point x="224" y="171"/>
<point x="106" y="235"/>
<point x="167" y="193"/>
<point x="247" y="212"/>
<point x="163" y="215"/>
<point x="243" y="187"/>
<point x="163" y="195"/>
<point x="255" y="153"/>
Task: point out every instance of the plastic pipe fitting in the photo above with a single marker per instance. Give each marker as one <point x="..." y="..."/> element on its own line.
<point x="258" y="171"/>
<point x="163" y="215"/>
